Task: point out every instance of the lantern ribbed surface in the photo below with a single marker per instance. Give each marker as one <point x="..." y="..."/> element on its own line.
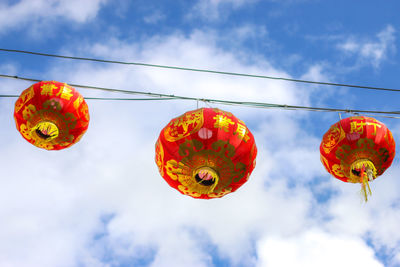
<point x="206" y="153"/>
<point x="357" y="150"/>
<point x="51" y="115"/>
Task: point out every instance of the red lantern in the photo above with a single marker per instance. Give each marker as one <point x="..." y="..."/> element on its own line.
<point x="206" y="153"/>
<point x="357" y="150"/>
<point x="51" y="115"/>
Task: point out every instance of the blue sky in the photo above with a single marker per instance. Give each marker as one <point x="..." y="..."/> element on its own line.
<point x="102" y="202"/>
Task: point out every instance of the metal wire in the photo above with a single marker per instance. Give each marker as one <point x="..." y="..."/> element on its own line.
<point x="157" y="96"/>
<point x="200" y="70"/>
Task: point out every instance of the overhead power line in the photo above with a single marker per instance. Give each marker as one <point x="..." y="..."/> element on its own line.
<point x="108" y="98"/>
<point x="201" y="70"/>
<point x="158" y="96"/>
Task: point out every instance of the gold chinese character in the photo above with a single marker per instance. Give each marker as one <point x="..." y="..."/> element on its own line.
<point x="47" y="89"/>
<point x="222" y="122"/>
<point x="77" y="102"/>
<point x="223" y="112"/>
<point x="28" y="112"/>
<point x="242" y="132"/>
<point x="24" y="98"/>
<point x="359" y="127"/>
<point x="65" y="93"/>
<point x="375" y="125"/>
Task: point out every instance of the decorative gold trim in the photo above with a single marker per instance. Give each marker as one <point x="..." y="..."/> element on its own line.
<point x="160" y="157"/>
<point x="367" y="173"/>
<point x="185" y="125"/>
<point x="332" y="138"/>
<point x="358" y="165"/>
<point x="204" y="189"/>
<point x="44" y="131"/>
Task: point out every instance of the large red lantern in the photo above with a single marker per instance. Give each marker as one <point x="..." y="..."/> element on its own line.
<point x="206" y="153"/>
<point x="357" y="150"/>
<point x="51" y="115"/>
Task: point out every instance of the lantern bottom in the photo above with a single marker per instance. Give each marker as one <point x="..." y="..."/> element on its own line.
<point x="362" y="171"/>
<point x="45" y="131"/>
<point x="206" y="179"/>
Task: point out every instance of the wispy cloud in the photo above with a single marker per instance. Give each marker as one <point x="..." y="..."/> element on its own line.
<point x="313" y="248"/>
<point x="370" y="51"/>
<point x="154" y="18"/>
<point x="112" y="170"/>
<point x="56" y="204"/>
<point x="115" y="174"/>
<point x="26" y="12"/>
<point x="216" y="9"/>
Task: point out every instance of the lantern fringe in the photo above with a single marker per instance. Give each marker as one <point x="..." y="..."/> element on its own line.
<point x="367" y="174"/>
<point x="202" y="189"/>
<point x="44" y="131"/>
<point x="365" y="188"/>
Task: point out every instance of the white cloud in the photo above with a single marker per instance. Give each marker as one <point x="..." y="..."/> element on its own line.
<point x="56" y="200"/>
<point x="112" y="169"/>
<point x="314" y="248"/>
<point x="214" y="9"/>
<point x="246" y="32"/>
<point x="377" y="219"/>
<point x="371" y="52"/>
<point x="45" y="12"/>
<point x="228" y="232"/>
<point x="199" y="50"/>
<point x="154" y="18"/>
<point x="316" y="73"/>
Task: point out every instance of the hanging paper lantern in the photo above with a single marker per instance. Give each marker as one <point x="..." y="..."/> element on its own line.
<point x="206" y="153"/>
<point x="51" y="115"/>
<point x="357" y="150"/>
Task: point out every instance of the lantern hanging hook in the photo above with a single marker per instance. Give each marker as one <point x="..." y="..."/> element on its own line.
<point x="207" y="102"/>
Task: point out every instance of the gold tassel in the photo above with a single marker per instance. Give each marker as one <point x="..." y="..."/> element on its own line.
<point x="365" y="189"/>
<point x="197" y="187"/>
<point x="367" y="173"/>
<point x="44" y="131"/>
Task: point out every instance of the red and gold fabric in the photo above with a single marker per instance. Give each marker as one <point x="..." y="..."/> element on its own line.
<point x="206" y="153"/>
<point x="51" y="115"/>
<point x="357" y="150"/>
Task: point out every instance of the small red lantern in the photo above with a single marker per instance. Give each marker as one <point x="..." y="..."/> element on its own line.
<point x="51" y="115"/>
<point x="206" y="153"/>
<point x="357" y="150"/>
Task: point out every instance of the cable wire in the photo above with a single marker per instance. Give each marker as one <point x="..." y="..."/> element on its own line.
<point x="158" y="96"/>
<point x="201" y="70"/>
<point x="108" y="98"/>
